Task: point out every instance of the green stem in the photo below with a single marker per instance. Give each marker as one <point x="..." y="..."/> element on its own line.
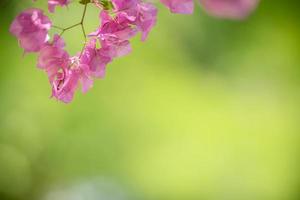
<point x="82" y="28"/>
<point x="63" y="30"/>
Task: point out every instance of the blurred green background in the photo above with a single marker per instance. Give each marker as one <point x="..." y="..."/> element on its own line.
<point x="205" y="109"/>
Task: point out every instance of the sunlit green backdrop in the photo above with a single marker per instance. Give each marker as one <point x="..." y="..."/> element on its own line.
<point x="205" y="109"/>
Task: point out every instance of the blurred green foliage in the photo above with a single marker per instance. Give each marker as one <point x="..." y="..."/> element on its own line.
<point x="206" y="109"/>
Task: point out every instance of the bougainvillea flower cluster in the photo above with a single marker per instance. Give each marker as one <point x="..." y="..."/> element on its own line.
<point x="120" y="20"/>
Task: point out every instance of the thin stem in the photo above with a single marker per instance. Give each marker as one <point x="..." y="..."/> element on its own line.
<point x="83" y="15"/>
<point x="82" y="20"/>
<point x="63" y="30"/>
<point x="61" y="33"/>
<point x="81" y="52"/>
<point x="57" y="27"/>
<point x="73" y="26"/>
<point x="83" y="30"/>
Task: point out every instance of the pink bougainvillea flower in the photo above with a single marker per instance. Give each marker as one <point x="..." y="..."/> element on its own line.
<point x="65" y="84"/>
<point x="114" y="34"/>
<point x="95" y="60"/>
<point x="125" y="5"/>
<point x="232" y="9"/>
<point x="64" y="72"/>
<point x="52" y="57"/>
<point x="85" y="77"/>
<point x="83" y="71"/>
<point x="31" y="28"/>
<point x="118" y="27"/>
<point x="138" y="13"/>
<point x="146" y="18"/>
<point x="66" y="80"/>
<point x="57" y="64"/>
<point x="179" y="6"/>
<point x="53" y="3"/>
<point x="116" y="49"/>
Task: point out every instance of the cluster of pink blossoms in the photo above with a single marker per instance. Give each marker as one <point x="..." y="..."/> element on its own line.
<point x="120" y="21"/>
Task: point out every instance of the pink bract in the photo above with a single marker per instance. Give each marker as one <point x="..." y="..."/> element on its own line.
<point x="65" y="84"/>
<point x="53" y="57"/>
<point x="53" y="3"/>
<point x="31" y="28"/>
<point x="95" y="60"/>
